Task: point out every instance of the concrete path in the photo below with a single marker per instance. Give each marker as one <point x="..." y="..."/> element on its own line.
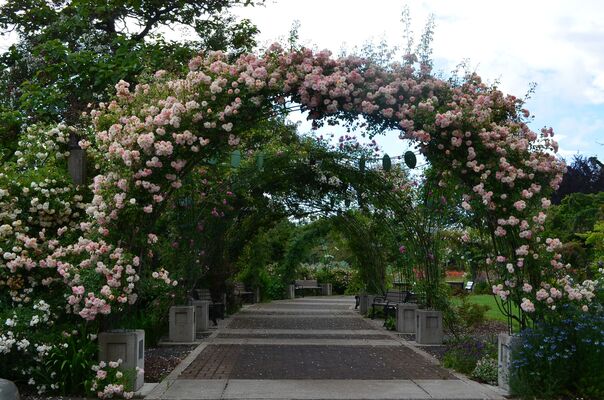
<point x="311" y="348"/>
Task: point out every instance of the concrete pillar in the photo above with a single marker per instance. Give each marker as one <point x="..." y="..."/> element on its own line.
<point x="127" y="345"/>
<point x="182" y="324"/>
<point x="428" y="327"/>
<point x="505" y="346"/>
<point x="366" y="301"/>
<point x="405" y="317"/>
<point x="291" y="292"/>
<point x="202" y="314"/>
<point x="257" y="294"/>
<point x="326" y="289"/>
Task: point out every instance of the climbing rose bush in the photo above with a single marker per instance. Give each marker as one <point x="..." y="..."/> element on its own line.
<point x="474" y="134"/>
<point x="84" y="255"/>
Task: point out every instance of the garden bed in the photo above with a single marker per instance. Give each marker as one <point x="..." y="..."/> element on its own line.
<point x="160" y="361"/>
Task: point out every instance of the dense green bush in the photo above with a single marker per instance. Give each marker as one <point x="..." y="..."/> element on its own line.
<point x="390" y="323"/>
<point x="471" y="314"/>
<point x="464" y="353"/>
<point x="561" y="358"/>
<point x="339" y="274"/>
<point x="483" y="288"/>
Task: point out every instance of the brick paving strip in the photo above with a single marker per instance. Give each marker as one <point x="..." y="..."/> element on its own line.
<point x="311" y="348"/>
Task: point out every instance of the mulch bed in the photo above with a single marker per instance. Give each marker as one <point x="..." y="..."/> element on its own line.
<point x="160" y="361"/>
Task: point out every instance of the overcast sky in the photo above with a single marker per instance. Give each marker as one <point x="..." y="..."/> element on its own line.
<point x="557" y="44"/>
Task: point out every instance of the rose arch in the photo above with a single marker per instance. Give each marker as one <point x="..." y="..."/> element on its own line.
<point x="148" y="138"/>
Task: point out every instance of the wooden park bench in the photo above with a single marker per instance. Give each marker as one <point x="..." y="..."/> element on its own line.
<point x="242" y="293"/>
<point x="304" y="284"/>
<point x="389" y="301"/>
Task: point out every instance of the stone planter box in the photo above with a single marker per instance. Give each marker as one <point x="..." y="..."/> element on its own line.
<point x="127" y="345"/>
<point x="291" y="292"/>
<point x="505" y="345"/>
<point x="202" y="314"/>
<point x="182" y="324"/>
<point x="405" y="317"/>
<point x="428" y="327"/>
<point x="326" y="289"/>
<point x="365" y="303"/>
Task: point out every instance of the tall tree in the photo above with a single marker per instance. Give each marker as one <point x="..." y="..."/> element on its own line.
<point x="70" y="52"/>
<point x="584" y="175"/>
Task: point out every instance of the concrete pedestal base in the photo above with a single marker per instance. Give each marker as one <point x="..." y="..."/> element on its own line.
<point x="182" y="324"/>
<point x="428" y="327"/>
<point x="291" y="292"/>
<point x="505" y="346"/>
<point x="326" y="289"/>
<point x="202" y="315"/>
<point x="127" y="345"/>
<point x="405" y="317"/>
<point x="366" y="301"/>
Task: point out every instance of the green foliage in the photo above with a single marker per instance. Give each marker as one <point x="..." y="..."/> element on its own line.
<point x="482" y="288"/>
<point x="71" y="53"/>
<point x="464" y="353"/>
<point x="560" y="359"/>
<point x="471" y="314"/>
<point x="339" y="274"/>
<point x="69" y="364"/>
<point x="577" y="213"/>
<point x="390" y="323"/>
<point x="486" y="370"/>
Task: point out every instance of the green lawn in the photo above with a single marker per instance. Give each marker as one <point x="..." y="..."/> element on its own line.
<point x="488" y="300"/>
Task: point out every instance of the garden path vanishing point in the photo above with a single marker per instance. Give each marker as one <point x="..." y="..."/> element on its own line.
<point x="311" y="348"/>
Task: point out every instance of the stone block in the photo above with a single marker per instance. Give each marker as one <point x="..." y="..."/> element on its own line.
<point x="8" y="390"/>
<point x="291" y="292"/>
<point x="202" y="314"/>
<point x="127" y="345"/>
<point x="182" y="324"/>
<point x="428" y="327"/>
<point x="365" y="303"/>
<point x="505" y="346"/>
<point x="405" y="317"/>
<point x="326" y="289"/>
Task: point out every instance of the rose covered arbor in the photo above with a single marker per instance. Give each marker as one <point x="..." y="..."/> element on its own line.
<point x="60" y="242"/>
<point x="473" y="135"/>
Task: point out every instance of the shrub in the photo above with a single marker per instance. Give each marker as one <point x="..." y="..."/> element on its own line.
<point x="339" y="274"/>
<point x="486" y="370"/>
<point x="471" y="314"/>
<point x="482" y="288"/>
<point x="463" y="354"/>
<point x="390" y="323"/>
<point x="561" y="357"/>
<point x="67" y="367"/>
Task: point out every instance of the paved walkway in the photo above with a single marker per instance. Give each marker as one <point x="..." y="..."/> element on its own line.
<point x="311" y="348"/>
